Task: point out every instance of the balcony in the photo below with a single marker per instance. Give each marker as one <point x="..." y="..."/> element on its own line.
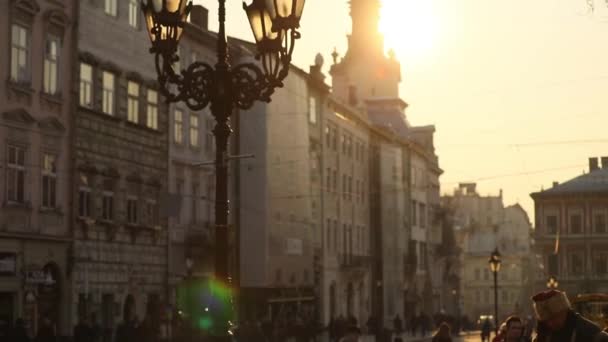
<point x="354" y="262"/>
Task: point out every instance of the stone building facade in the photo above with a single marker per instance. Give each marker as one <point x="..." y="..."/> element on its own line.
<point x="571" y="235"/>
<point x="37" y="39"/>
<point x="121" y="165"/>
<point x="407" y="172"/>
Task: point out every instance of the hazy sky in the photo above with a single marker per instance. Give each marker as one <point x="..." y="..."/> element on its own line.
<point x="517" y="90"/>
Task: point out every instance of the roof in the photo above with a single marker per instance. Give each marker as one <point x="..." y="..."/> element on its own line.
<point x="595" y="182"/>
<point x="391" y="118"/>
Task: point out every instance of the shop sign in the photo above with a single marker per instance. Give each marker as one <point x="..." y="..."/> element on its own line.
<point x="8" y="264"/>
<point x="38" y="277"/>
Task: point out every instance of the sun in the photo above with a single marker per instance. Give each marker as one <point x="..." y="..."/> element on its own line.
<point x="410" y="27"/>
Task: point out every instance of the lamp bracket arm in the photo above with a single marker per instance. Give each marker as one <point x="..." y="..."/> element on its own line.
<point x="250" y="84"/>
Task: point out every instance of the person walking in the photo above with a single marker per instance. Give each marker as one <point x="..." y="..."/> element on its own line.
<point x="557" y="322"/>
<point x="515" y="330"/>
<point x="398" y="325"/>
<point x="414" y="325"/>
<point x="443" y="333"/>
<point x="46" y="331"/>
<point x="127" y="330"/>
<point x="486" y="327"/>
<point x="82" y="330"/>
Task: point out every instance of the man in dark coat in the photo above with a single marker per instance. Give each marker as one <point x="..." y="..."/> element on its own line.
<point x="398" y="325"/>
<point x="82" y="331"/>
<point x="557" y="322"/>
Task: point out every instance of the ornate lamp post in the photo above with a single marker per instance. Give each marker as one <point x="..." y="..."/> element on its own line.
<point x="224" y="87"/>
<point x="552" y="283"/>
<point x="495" y="267"/>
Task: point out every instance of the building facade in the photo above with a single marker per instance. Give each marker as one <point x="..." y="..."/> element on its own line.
<point x="38" y="40"/>
<point x="121" y="165"/>
<point x="483" y="224"/>
<point x="571" y="235"/>
<point x="406" y="278"/>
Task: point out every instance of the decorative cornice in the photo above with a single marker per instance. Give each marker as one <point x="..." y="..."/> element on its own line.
<point x="30" y="7"/>
<point x="56" y="18"/>
<point x="19" y="115"/>
<point x="51" y="124"/>
<point x="88" y="58"/>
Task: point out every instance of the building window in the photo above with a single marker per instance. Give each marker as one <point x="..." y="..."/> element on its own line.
<point x="133" y="13"/>
<point x="576" y="224"/>
<point x="195" y="195"/>
<point x="505" y="296"/>
<point x="599" y="223"/>
<point x="20" y="47"/>
<point x="107" y="209"/>
<point x="110" y="7"/>
<point x="576" y="264"/>
<point x="335" y="182"/>
<point x="335" y="236"/>
<point x="86" y="85"/>
<point x="328" y="235"/>
<point x="551" y="222"/>
<point x="15" y="174"/>
<point x="477" y="274"/>
<point x="486" y="274"/>
<point x="328" y="179"/>
<point x="350" y="187"/>
<point x="84" y="202"/>
<point x="423" y="255"/>
<point x="422" y="214"/>
<point x="553" y="264"/>
<point x="51" y="62"/>
<point x="414" y="211"/>
<point x="193" y="130"/>
<point x="178" y="126"/>
<point x="209" y="134"/>
<point x="151" y="213"/>
<point x="49" y="181"/>
<point x="343" y="143"/>
<point x="312" y="110"/>
<point x="327" y="136"/>
<point x="152" y="111"/>
<point x="132" y="210"/>
<point x="133" y="102"/>
<point x="334" y="141"/>
<point x="108" y="93"/>
<point x="344" y="187"/>
<point x="600" y="263"/>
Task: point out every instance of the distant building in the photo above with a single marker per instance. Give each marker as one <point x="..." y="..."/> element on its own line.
<point x="571" y="231"/>
<point x="483" y="224"/>
<point x="37" y="39"/>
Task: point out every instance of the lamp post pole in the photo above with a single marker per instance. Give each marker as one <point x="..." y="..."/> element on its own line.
<point x="496" y="303"/>
<point x="224" y="88"/>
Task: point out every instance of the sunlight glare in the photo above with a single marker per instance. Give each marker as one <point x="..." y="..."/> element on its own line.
<point x="409" y="27"/>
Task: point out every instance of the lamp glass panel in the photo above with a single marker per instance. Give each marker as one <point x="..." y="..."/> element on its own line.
<point x="299" y="8"/>
<point x="284" y="8"/>
<point x="271" y="7"/>
<point x="150" y="24"/>
<point x="172" y="5"/>
<point x="158" y="5"/>
<point x="256" y="24"/>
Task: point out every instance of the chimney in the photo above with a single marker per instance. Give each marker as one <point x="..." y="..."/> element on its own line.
<point x="593" y="164"/>
<point x="199" y="17"/>
<point x="605" y="163"/>
<point x="555" y="184"/>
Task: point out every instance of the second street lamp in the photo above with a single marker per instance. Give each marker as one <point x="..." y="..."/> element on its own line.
<point x="495" y="267"/>
<point x="223" y="87"/>
<point x="552" y="283"/>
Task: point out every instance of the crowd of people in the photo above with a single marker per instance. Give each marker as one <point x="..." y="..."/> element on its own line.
<point x="555" y="321"/>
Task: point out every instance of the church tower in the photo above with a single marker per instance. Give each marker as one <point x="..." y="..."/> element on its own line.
<point x="366" y="72"/>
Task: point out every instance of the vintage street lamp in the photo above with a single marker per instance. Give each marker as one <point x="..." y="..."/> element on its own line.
<point x="552" y="283"/>
<point x="495" y="267"/>
<point x="225" y="88"/>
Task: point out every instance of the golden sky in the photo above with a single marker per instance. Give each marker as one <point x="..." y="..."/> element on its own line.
<point x="518" y="90"/>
